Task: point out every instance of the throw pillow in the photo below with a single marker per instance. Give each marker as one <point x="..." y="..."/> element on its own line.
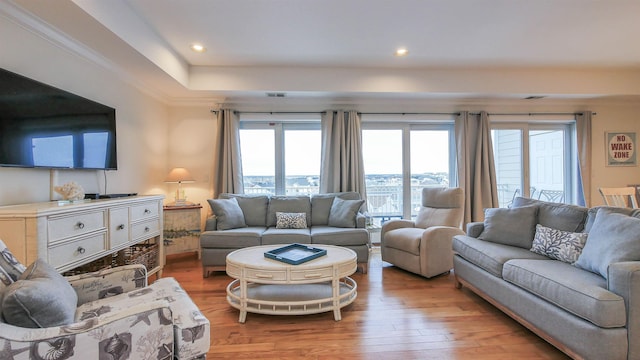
<point x="228" y="213"/>
<point x="515" y="227"/>
<point x="291" y="220"/>
<point x="613" y="238"/>
<point x="9" y="263"/>
<point x="343" y="212"/>
<point x="40" y="298"/>
<point x="561" y="245"/>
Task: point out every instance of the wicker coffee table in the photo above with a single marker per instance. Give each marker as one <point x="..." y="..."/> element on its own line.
<point x="268" y="286"/>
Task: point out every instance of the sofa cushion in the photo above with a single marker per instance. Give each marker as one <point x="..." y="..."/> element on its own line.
<point x="554" y="215"/>
<point x="228" y="213"/>
<point x="9" y="263"/>
<point x="321" y="205"/>
<point x="591" y="214"/>
<point x="291" y="220"/>
<point x="514" y="227"/>
<point x="254" y="207"/>
<point x="488" y="255"/>
<point x="580" y="292"/>
<point x="40" y="298"/>
<point x="273" y="236"/>
<point x="233" y="238"/>
<point x="343" y="212"/>
<point x="560" y="245"/>
<point x="329" y="235"/>
<point x="290" y="204"/>
<point x="613" y="238"/>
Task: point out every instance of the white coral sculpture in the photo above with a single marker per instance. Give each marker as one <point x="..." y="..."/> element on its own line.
<point x="70" y="191"/>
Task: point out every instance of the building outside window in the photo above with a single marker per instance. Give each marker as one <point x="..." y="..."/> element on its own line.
<point x="535" y="160"/>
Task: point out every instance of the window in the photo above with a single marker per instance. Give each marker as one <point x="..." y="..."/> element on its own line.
<point x="280" y="158"/>
<point x="402" y="158"/>
<point x="534" y="160"/>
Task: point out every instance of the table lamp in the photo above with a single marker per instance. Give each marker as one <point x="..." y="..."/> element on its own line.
<point x="179" y="175"/>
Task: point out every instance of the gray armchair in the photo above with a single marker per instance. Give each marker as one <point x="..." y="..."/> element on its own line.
<point x="423" y="246"/>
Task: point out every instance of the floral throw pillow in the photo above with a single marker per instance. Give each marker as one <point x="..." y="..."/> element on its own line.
<point x="291" y="220"/>
<point x="557" y="244"/>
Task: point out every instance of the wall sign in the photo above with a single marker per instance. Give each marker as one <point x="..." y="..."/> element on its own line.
<point x="621" y="148"/>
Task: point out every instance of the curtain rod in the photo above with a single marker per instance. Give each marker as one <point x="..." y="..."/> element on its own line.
<point x="534" y="113"/>
<point x="322" y="112"/>
<point x="408" y="113"/>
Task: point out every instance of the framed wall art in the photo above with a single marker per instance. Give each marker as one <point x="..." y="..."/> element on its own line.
<point x="621" y="148"/>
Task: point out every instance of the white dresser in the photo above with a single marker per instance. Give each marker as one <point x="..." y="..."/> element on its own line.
<point x="70" y="235"/>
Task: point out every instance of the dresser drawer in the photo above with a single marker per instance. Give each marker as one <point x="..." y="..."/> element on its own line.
<point x="145" y="229"/>
<point x="69" y="226"/>
<point x="265" y="275"/>
<point x="118" y="226"/>
<point x="144" y="211"/>
<point x="77" y="250"/>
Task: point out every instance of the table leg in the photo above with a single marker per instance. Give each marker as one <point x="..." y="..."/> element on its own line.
<point x="336" y="299"/>
<point x="243" y="301"/>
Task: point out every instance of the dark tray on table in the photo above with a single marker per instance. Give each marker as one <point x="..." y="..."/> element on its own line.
<point x="295" y="254"/>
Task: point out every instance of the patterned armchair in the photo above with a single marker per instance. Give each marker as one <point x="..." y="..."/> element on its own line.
<point x="117" y="317"/>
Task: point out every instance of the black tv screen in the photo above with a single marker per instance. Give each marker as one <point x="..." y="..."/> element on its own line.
<point x="43" y="126"/>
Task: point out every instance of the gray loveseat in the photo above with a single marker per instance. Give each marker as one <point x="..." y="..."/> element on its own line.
<point x="569" y="274"/>
<point x="241" y="221"/>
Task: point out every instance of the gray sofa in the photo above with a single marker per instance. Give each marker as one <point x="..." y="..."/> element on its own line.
<point x="241" y="221"/>
<point x="569" y="274"/>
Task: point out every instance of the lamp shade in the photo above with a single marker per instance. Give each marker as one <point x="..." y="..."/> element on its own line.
<point x="179" y="175"/>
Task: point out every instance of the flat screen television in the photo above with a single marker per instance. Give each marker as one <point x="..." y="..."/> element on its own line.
<point x="44" y="127"/>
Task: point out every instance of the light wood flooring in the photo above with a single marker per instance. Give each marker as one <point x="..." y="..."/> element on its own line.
<point x="397" y="315"/>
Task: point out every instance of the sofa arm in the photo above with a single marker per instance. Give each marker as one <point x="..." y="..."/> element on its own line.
<point x="142" y="330"/>
<point x="474" y="229"/>
<point x="436" y="249"/>
<point x="211" y="224"/>
<point x="624" y="279"/>
<point x="361" y="220"/>
<point x="100" y="284"/>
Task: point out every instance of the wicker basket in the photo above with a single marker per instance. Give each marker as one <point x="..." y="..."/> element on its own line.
<point x="145" y="254"/>
<point x="102" y="263"/>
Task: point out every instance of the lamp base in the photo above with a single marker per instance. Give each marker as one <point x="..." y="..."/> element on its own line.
<point x="181" y="202"/>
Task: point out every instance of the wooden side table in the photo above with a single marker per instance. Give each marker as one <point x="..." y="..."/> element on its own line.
<point x="182" y="229"/>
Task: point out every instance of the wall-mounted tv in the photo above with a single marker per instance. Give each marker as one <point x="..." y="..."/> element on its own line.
<point x="45" y="127"/>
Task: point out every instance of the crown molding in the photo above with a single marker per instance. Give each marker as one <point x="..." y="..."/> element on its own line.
<point x="35" y="25"/>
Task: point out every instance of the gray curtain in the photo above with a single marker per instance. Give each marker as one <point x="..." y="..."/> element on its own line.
<point x="583" y="132"/>
<point x="227" y="169"/>
<point x="476" y="169"/>
<point x="342" y="167"/>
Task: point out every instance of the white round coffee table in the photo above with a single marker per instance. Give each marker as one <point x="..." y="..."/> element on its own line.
<point x="268" y="286"/>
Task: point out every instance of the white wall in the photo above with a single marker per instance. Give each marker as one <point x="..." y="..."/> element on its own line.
<point x="142" y="122"/>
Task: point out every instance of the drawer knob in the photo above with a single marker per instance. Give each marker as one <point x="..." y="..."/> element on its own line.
<point x="146" y="229"/>
<point x="147" y="211"/>
<point x="80" y="250"/>
<point x="120" y="227"/>
<point x="80" y="225"/>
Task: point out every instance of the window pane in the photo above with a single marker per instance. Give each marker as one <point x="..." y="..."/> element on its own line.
<point x="546" y="163"/>
<point x="302" y="161"/>
<point x="429" y="163"/>
<point x="507" y="153"/>
<point x="258" y="161"/>
<point x="382" y="155"/>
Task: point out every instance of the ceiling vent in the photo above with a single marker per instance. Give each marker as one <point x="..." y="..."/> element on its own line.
<point x="534" y="97"/>
<point x="276" y="94"/>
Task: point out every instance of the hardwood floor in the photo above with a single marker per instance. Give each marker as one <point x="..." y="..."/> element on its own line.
<point x="397" y="315"/>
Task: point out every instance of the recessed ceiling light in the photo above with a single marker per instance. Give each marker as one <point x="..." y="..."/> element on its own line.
<point x="402" y="52"/>
<point x="198" y="47"/>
